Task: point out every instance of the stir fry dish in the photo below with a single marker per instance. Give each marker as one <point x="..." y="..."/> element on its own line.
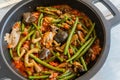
<point x="53" y="43"/>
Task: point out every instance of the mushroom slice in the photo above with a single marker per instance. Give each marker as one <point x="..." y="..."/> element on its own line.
<point x="61" y="36"/>
<point x="28" y="18"/>
<point x="44" y="53"/>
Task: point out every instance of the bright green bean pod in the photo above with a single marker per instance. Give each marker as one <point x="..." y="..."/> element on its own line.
<point x="90" y="31"/>
<point x="46" y="64"/>
<point x="22" y="41"/>
<point x="34" y="35"/>
<point x="83" y="63"/>
<point x="29" y="29"/>
<point x="79" y="42"/>
<point x="51" y="59"/>
<point x="57" y="56"/>
<point x="72" y="48"/>
<point x="41" y="22"/>
<point x="22" y="27"/>
<point x="69" y="56"/>
<point x="37" y="28"/>
<point x="11" y="53"/>
<point x="70" y="36"/>
<point x="86" y="49"/>
<point x="39" y="77"/>
<point x="40" y="19"/>
<point x="47" y="12"/>
<point x="80" y="50"/>
<point x="31" y="46"/>
<point x="84" y="26"/>
<point x="68" y="77"/>
<point x="38" y="45"/>
<point x="65" y="74"/>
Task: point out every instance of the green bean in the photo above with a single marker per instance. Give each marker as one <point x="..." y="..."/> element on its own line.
<point x="11" y="53"/>
<point x="40" y="20"/>
<point x="94" y="33"/>
<point x="79" y="42"/>
<point x="51" y="59"/>
<point x="22" y="27"/>
<point x="46" y="64"/>
<point x="38" y="45"/>
<point x="59" y="25"/>
<point x="29" y="29"/>
<point x="75" y="49"/>
<point x="65" y="74"/>
<point x="29" y="32"/>
<point x="22" y="41"/>
<point x="32" y="28"/>
<point x="39" y="77"/>
<point x="64" y="19"/>
<point x="31" y="46"/>
<point x="37" y="29"/>
<point x="57" y="56"/>
<point x="80" y="50"/>
<point x="34" y="35"/>
<point x="56" y="20"/>
<point x="68" y="77"/>
<point x="84" y="26"/>
<point x="86" y="49"/>
<point x="70" y="36"/>
<point x="90" y="31"/>
<point x="83" y="63"/>
<point x="47" y="12"/>
<point x="69" y="56"/>
<point x="72" y="48"/>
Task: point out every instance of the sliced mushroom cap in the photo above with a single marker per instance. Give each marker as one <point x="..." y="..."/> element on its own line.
<point x="44" y="53"/>
<point x="61" y="36"/>
<point x="28" y="18"/>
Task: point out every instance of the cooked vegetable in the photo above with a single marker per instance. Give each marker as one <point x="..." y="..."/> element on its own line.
<point x="68" y="77"/>
<point x="44" y="53"/>
<point x="22" y="27"/>
<point x="61" y="36"/>
<point x="70" y="36"/>
<point x="86" y="49"/>
<point x="66" y="73"/>
<point x="80" y="50"/>
<point x="39" y="77"/>
<point x="28" y="18"/>
<point x="40" y="20"/>
<point x="53" y="43"/>
<point x="84" y="64"/>
<point x="22" y="41"/>
<point x="90" y="31"/>
<point x="45" y="64"/>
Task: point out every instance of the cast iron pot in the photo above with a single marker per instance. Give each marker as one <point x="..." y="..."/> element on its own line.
<point x="102" y="28"/>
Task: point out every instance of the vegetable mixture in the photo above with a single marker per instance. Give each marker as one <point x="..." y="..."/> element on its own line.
<point x="53" y="43"/>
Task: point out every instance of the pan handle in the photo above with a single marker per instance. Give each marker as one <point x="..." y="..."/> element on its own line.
<point x="115" y="12"/>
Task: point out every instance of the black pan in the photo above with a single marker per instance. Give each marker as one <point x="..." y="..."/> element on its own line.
<point x="102" y="28"/>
